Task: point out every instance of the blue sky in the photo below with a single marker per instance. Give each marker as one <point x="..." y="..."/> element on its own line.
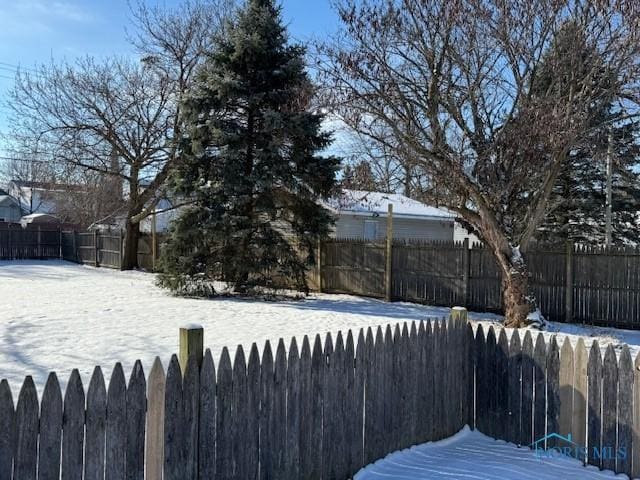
<point x="35" y="31"/>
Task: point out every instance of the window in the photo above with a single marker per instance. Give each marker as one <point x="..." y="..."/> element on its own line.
<point x="370" y="229"/>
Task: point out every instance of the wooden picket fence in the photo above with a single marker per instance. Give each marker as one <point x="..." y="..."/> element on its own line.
<point x="318" y="411"/>
<point x="575" y="284"/>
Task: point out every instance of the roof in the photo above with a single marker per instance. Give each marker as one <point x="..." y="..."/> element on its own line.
<point x="39" y="218"/>
<point x="359" y="202"/>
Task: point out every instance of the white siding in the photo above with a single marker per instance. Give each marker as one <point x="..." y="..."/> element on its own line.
<point x="352" y="226"/>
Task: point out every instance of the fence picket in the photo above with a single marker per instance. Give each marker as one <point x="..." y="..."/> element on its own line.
<point x="278" y="441"/>
<point x="625" y="412"/>
<point x="482" y="397"/>
<point x="502" y="385"/>
<point x="50" y="430"/>
<point x="357" y="442"/>
<point x="26" y="446"/>
<point x="239" y="408"/>
<point x="224" y="425"/>
<point x="116" y="426"/>
<point x="154" y="456"/>
<point x="292" y="461"/>
<point x="191" y="417"/>
<point x="527" y="383"/>
<point x="173" y="414"/>
<point x="136" y="416"/>
<point x="579" y="421"/>
<point x="7" y="431"/>
<point x="540" y="381"/>
<point x="306" y="410"/>
<point x="609" y="406"/>
<point x="266" y="414"/>
<point x="594" y="420"/>
<point x="566" y="384"/>
<point x="329" y="405"/>
<point x="317" y="383"/>
<point x="207" y="433"/>
<point x="491" y="379"/>
<point x="253" y="414"/>
<point x="553" y="389"/>
<point x="94" y="450"/>
<point x="73" y="429"/>
<point x="514" y="395"/>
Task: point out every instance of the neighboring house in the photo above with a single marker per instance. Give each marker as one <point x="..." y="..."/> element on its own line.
<point x="363" y="215"/>
<point x="35" y="197"/>
<point x="10" y="210"/>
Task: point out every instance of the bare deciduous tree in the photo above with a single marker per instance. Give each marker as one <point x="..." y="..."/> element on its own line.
<point x="451" y="88"/>
<point x="87" y="111"/>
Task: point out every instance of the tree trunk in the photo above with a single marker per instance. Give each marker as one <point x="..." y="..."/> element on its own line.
<point x="131" y="237"/>
<point x="515" y="295"/>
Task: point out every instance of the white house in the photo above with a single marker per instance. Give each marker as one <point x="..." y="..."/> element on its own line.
<point x="10" y="210"/>
<point x="35" y="197"/>
<point x="363" y="215"/>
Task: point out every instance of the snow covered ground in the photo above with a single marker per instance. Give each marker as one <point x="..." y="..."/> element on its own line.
<point x="56" y="316"/>
<point x="474" y="456"/>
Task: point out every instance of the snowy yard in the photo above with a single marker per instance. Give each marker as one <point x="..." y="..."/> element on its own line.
<point x="474" y="456"/>
<point x="57" y="316"/>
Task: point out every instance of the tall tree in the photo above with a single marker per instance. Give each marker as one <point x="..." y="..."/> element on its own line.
<point x="359" y="177"/>
<point x="83" y="111"/>
<point x="251" y="163"/>
<point x="451" y="84"/>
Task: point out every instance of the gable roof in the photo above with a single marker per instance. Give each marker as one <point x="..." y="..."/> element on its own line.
<point x="359" y="202"/>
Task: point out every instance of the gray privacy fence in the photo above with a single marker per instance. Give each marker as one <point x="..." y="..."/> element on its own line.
<point x="577" y="284"/>
<point x="322" y="411"/>
<point x="32" y="242"/>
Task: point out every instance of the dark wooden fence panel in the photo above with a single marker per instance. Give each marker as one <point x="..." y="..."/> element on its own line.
<point x="353" y="267"/>
<point x="323" y="413"/>
<point x="30" y="242"/>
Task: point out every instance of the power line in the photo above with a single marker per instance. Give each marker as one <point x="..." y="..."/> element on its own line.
<point x="18" y="67"/>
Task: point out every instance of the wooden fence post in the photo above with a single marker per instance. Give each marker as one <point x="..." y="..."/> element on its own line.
<point x="122" y="251"/>
<point x="319" y="265"/>
<point x="568" y="295"/>
<point x="96" y="248"/>
<point x="465" y="271"/>
<point x="191" y="343"/>
<point x="154" y="252"/>
<point x="39" y="246"/>
<point x="388" y="276"/>
<point x="459" y="314"/>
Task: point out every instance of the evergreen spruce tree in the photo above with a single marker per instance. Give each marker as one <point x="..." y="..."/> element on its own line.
<point x="577" y="210"/>
<point x="251" y="164"/>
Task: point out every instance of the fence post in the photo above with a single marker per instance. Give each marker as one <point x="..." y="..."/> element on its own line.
<point x="389" y="251"/>
<point x="60" y="252"/>
<point x="319" y="265"/>
<point x="96" y="235"/>
<point x="122" y="251"/>
<point x="75" y="246"/>
<point x="39" y="246"/>
<point x="191" y="343"/>
<point x="459" y="314"/>
<point x="568" y="294"/>
<point x="465" y="271"/>
<point x="9" y="248"/>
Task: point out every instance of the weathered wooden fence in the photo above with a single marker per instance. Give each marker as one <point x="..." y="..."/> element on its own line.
<point x="309" y="411"/>
<point x="34" y="241"/>
<point x="578" y="284"/>
<point x="323" y="410"/>
<point x="530" y="390"/>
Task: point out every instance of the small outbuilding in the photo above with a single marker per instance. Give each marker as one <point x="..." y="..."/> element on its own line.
<point x="39" y="219"/>
<point x="363" y="215"/>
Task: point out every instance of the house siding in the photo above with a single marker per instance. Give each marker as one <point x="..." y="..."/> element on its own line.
<point x="353" y="226"/>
